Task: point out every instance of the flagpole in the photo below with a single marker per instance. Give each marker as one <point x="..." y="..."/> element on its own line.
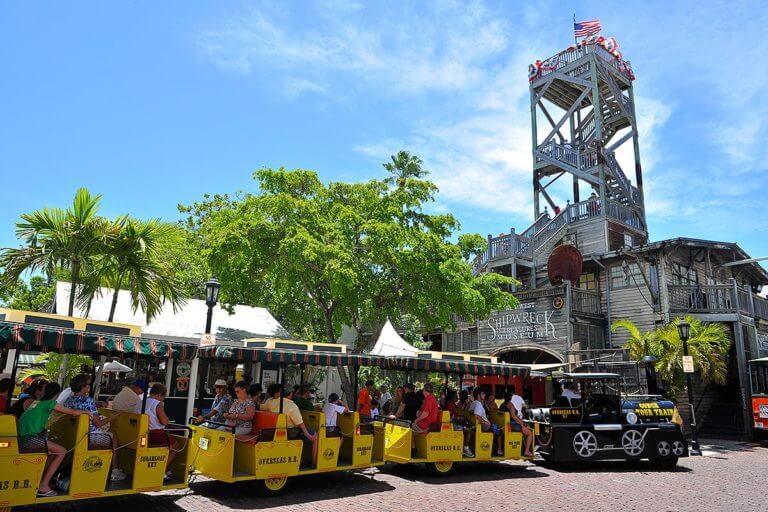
<point x="575" y="40"/>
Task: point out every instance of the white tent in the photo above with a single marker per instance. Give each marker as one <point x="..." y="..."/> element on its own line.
<point x="116" y="367"/>
<point x="391" y="344"/>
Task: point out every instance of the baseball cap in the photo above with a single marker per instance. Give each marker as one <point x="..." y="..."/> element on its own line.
<point x="139" y="383"/>
<point x="220" y="383"/>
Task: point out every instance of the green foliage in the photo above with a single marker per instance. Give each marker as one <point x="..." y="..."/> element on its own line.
<point x="144" y="257"/>
<point x="322" y="256"/>
<point x="133" y="260"/>
<point x="49" y="365"/>
<point x="708" y="345"/>
<point x="54" y="239"/>
<point x="36" y="295"/>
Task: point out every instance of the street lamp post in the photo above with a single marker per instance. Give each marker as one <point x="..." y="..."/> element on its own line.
<point x="212" y="288"/>
<point x="684" y="331"/>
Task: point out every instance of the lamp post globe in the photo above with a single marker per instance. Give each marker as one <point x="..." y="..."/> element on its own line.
<point x="212" y="288"/>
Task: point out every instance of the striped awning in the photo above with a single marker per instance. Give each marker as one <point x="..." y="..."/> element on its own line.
<point x="266" y="355"/>
<point x="43" y="338"/>
<point x="472" y="368"/>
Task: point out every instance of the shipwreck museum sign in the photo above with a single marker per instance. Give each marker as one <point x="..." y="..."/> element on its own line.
<point x="543" y="321"/>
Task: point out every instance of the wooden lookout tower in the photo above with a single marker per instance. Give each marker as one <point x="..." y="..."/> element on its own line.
<point x="583" y="124"/>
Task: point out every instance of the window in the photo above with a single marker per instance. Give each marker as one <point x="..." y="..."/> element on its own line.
<point x="590" y="337"/>
<point x="684" y="275"/>
<point x="452" y="342"/>
<point x="626" y="275"/>
<point x="628" y="240"/>
<point x="469" y="341"/>
<point x="588" y="281"/>
<point x="461" y="341"/>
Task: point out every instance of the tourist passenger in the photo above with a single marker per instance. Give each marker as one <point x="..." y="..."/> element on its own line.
<point x="255" y="391"/>
<point x="490" y="403"/>
<point x="99" y="425"/>
<point x="517" y="423"/>
<point x="396" y="401"/>
<point x="517" y="401"/>
<point x="450" y="402"/>
<point x="570" y="394"/>
<point x="130" y="397"/>
<point x="428" y="411"/>
<point x="293" y="419"/>
<point x="32" y="431"/>
<point x="385" y="396"/>
<point x="485" y="424"/>
<point x="364" y="399"/>
<point x="34" y="392"/>
<point x="332" y="409"/>
<point x="302" y="399"/>
<point x="241" y="412"/>
<point x="222" y="401"/>
<point x="6" y="390"/>
<point x="374" y="408"/>
<point x="460" y="422"/>
<point x="411" y="403"/>
<point x="158" y="421"/>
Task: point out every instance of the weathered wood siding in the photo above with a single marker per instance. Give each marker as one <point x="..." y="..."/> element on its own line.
<point x="633" y="303"/>
<point x="589" y="236"/>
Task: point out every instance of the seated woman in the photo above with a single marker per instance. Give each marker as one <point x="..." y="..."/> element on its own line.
<point x="518" y="424"/>
<point x="240" y="414"/>
<point x="32" y="432"/>
<point x="158" y="420"/>
<point x="34" y="392"/>
<point x="80" y="400"/>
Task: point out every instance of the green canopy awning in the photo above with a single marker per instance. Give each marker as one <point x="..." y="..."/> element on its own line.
<point x="267" y="355"/>
<point x="43" y="338"/>
<point x="472" y="368"/>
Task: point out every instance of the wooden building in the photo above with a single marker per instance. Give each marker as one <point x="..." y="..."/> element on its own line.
<point x="583" y="114"/>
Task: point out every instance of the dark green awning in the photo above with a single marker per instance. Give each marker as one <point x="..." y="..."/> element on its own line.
<point x="266" y="355"/>
<point x="472" y="368"/>
<point x="43" y="338"/>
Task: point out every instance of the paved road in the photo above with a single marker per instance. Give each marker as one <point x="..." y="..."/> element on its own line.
<point x="730" y="477"/>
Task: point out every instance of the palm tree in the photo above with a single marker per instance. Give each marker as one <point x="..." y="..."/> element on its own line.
<point x="403" y="166"/>
<point x="51" y="365"/>
<point x="56" y="239"/>
<point x="708" y="345"/>
<point x="133" y="261"/>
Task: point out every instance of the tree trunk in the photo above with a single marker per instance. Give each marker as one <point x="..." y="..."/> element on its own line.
<point x="114" y="299"/>
<point x="73" y="287"/>
<point x="346" y="384"/>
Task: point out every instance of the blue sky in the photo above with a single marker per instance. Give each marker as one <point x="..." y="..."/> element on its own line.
<point x="156" y="103"/>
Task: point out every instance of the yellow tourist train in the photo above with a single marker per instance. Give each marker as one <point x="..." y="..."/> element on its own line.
<point x="266" y="454"/>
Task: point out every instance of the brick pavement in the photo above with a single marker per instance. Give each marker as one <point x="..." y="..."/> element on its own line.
<point x="730" y="477"/>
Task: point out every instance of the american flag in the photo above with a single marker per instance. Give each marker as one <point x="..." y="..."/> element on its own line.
<point x="586" y="28"/>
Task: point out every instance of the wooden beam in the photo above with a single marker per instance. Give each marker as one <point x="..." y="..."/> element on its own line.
<point x="569" y="168"/>
<point x="551" y="121"/>
<point x="568" y="113"/>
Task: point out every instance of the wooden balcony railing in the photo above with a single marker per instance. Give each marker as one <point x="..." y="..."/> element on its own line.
<point x="585" y="301"/>
<point x="715" y="299"/>
<point x="574" y="53"/>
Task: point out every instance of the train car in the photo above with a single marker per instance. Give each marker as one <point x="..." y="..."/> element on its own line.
<point x="758" y="377"/>
<point x="86" y="466"/>
<point x="440" y="449"/>
<point x="268" y="455"/>
<point x="598" y="423"/>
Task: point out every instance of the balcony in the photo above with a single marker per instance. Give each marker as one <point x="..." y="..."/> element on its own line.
<point x="716" y="299"/>
<point x="574" y="53"/>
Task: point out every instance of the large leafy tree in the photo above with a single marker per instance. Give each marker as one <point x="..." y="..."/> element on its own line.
<point x="708" y="345"/>
<point x="134" y="260"/>
<point x="36" y="295"/>
<point x="57" y="239"/>
<point x="321" y="256"/>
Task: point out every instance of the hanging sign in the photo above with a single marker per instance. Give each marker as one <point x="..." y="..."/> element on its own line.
<point x="688" y="364"/>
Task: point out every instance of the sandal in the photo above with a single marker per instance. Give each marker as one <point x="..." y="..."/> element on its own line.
<point x="47" y="494"/>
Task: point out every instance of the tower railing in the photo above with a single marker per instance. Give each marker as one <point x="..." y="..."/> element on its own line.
<point x="574" y="53"/>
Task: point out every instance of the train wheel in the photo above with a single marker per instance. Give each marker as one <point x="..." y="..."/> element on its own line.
<point x="273" y="486"/>
<point x="441" y="468"/>
<point x="664" y="463"/>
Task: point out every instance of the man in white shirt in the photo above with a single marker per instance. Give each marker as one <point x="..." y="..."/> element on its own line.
<point x="129" y="398"/>
<point x="385" y="396"/>
<point x="518" y="402"/>
<point x="332" y="409"/>
<point x="569" y="393"/>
